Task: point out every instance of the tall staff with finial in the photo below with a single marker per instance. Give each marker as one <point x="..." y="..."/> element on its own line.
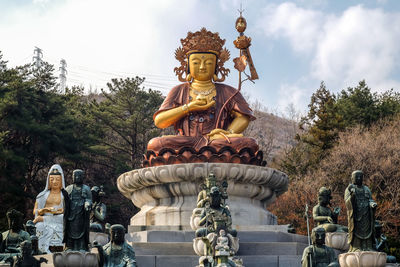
<point x="242" y="43"/>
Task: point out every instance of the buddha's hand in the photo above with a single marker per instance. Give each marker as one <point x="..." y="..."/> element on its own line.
<point x="58" y="211"/>
<point x="44" y="210"/>
<point x="222" y="134"/>
<point x="38" y="219"/>
<point x="200" y="105"/>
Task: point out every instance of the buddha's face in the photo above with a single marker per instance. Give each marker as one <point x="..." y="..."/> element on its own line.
<point x="117" y="235"/>
<point x="357" y="178"/>
<point x="318" y="236"/>
<point x="55" y="181"/>
<point x="202" y="66"/>
<point x="77" y="176"/>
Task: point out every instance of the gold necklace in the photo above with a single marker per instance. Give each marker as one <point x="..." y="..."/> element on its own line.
<point x="201" y="92"/>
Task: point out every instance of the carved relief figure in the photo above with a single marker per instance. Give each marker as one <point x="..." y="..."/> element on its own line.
<point x="49" y="209"/>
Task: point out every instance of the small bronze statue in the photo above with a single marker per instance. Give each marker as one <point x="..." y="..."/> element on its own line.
<point x="317" y="254"/>
<point x="26" y="259"/>
<point x="323" y="215"/>
<point x="117" y="252"/>
<point x="99" y="210"/>
<point x="78" y="203"/>
<point x="11" y="239"/>
<point x="381" y="242"/>
<point x="30" y="228"/>
<point x="361" y="214"/>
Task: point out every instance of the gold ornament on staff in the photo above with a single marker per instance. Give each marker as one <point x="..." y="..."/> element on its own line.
<point x="243" y="43"/>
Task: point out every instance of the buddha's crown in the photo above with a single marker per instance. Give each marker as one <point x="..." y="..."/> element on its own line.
<point x="202" y="41"/>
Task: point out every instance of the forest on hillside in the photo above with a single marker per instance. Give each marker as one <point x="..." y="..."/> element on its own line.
<point x="106" y="134"/>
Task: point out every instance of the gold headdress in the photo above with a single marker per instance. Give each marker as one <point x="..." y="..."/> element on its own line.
<point x="202" y="41"/>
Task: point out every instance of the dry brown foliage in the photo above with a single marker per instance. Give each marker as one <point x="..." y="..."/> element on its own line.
<point x="376" y="152"/>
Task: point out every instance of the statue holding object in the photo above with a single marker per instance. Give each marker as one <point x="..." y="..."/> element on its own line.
<point x="323" y="215"/>
<point x="361" y="214"/>
<point x="209" y="117"/>
<point x="317" y="254"/>
<point x="78" y="203"/>
<point x="49" y="210"/>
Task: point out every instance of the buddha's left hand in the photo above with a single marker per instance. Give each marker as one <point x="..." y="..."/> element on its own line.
<point x="221" y="134"/>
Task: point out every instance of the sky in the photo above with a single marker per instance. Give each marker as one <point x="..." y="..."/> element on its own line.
<point x="295" y="44"/>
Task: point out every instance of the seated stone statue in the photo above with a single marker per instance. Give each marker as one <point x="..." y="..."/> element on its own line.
<point x="203" y="112"/>
<point x="49" y="209"/>
<point x="215" y="216"/>
<point x="222" y="242"/>
<point x="117" y="253"/>
<point x="12" y="238"/>
<point x="99" y="210"/>
<point x="324" y="216"/>
<point x="26" y="259"/>
<point x="319" y="255"/>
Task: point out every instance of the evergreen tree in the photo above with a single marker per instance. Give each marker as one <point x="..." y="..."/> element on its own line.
<point x="126" y="119"/>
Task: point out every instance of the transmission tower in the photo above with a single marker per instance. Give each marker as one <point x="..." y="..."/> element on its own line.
<point x="37" y="57"/>
<point x="63" y="75"/>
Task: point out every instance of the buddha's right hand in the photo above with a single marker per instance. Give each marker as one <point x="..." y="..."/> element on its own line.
<point x="38" y="219"/>
<point x="200" y="105"/>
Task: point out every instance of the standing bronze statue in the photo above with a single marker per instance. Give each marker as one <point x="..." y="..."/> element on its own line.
<point x="78" y="203"/>
<point x="317" y="254"/>
<point x="360" y="212"/>
<point x="323" y="215"/>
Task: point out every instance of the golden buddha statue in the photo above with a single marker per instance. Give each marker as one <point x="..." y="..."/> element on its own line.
<point x="204" y="112"/>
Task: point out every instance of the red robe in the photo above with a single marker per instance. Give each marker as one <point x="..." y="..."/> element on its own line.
<point x="194" y="127"/>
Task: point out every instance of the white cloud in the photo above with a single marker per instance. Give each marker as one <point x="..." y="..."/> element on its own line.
<point x="300" y="26"/>
<point x="360" y="43"/>
<point x="132" y="37"/>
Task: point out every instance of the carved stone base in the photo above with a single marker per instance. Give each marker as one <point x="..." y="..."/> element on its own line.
<point x="363" y="259"/>
<point x="337" y="240"/>
<point x="75" y="259"/>
<point x="167" y="194"/>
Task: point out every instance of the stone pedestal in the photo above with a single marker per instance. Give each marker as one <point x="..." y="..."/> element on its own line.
<point x="75" y="259"/>
<point x="167" y="194"/>
<point x="337" y="241"/>
<point x="362" y="259"/>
